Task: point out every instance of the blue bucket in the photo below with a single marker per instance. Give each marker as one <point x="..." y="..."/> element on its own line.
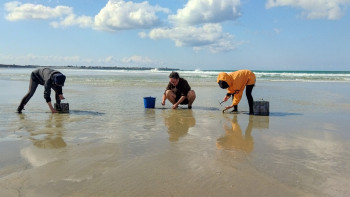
<point x="149" y="102"/>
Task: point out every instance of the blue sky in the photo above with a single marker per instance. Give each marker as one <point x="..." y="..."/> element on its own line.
<point x="185" y="34"/>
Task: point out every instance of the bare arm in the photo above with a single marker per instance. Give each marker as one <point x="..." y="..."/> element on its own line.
<point x="176" y="105"/>
<point x="51" y="108"/>
<point x="163" y="99"/>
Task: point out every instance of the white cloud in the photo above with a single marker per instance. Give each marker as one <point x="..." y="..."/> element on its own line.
<point x="315" y="9"/>
<point x="197" y="25"/>
<point x="116" y="15"/>
<point x="137" y="60"/>
<point x="76" y="60"/>
<point x="209" y="36"/>
<point x="200" y="17"/>
<point x="109" y="59"/>
<point x="207" y="11"/>
<point x="18" y="11"/>
<point x="119" y="15"/>
<point x="73" y="20"/>
<point x="50" y="60"/>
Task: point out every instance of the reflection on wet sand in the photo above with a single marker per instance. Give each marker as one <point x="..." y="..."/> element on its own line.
<point x="178" y="123"/>
<point x="234" y="138"/>
<point x="48" y="137"/>
<point x="149" y="119"/>
<point x="46" y="140"/>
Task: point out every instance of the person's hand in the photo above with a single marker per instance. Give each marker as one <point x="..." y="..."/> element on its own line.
<point x="51" y="108"/>
<point x="163" y="102"/>
<point x="226" y="98"/>
<point x="175" y="106"/>
<point x="61" y="97"/>
<point x="228" y="107"/>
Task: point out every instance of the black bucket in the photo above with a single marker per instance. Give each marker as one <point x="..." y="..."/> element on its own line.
<point x="261" y="108"/>
<point x="62" y="107"/>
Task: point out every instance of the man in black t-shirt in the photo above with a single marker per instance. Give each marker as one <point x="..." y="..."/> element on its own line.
<point x="178" y="92"/>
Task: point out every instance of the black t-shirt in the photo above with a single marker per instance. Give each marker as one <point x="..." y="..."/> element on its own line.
<point x="181" y="89"/>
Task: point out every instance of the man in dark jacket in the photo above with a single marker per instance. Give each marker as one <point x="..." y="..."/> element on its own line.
<point x="178" y="92"/>
<point x="49" y="78"/>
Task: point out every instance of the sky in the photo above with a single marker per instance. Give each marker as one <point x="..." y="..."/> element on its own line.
<point x="184" y="34"/>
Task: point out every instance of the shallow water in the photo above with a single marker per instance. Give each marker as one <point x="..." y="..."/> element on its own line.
<point x="109" y="145"/>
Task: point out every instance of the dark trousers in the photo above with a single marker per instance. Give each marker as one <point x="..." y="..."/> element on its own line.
<point x="33" y="84"/>
<point x="248" y="93"/>
<point x="32" y="87"/>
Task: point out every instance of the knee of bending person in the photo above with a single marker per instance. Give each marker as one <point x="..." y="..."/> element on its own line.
<point x="191" y="94"/>
<point x="169" y="93"/>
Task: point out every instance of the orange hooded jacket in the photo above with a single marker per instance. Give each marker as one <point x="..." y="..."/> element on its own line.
<point x="237" y="81"/>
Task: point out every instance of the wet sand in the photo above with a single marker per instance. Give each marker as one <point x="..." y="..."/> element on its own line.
<point x="109" y="145"/>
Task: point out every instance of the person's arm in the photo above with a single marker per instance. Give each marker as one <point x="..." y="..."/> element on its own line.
<point x="163" y="99"/>
<point x="51" y="107"/>
<point x="184" y="88"/>
<point x="58" y="93"/>
<point x="228" y="95"/>
<point x="169" y="86"/>
<point x="176" y="105"/>
<point x="47" y="90"/>
<point x="237" y="97"/>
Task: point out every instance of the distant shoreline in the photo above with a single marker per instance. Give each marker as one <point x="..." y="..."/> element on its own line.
<point x="172" y="69"/>
<point x="89" y="67"/>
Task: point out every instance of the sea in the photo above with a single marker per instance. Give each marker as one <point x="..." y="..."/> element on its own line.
<point x="158" y="75"/>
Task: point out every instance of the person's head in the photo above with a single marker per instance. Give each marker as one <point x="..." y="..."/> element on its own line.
<point x="224" y="80"/>
<point x="174" y="78"/>
<point x="59" y="79"/>
<point x="223" y="84"/>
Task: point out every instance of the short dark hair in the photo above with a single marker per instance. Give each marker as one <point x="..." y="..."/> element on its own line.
<point x="174" y="75"/>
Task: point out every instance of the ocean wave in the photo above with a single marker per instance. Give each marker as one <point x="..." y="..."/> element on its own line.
<point x="283" y="75"/>
<point x="304" y="76"/>
<point x="198" y="74"/>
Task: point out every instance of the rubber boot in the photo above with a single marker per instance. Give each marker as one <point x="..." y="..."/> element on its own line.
<point x="235" y="108"/>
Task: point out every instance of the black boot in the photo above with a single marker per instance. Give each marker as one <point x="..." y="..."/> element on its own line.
<point x="235" y="108"/>
<point x="251" y="108"/>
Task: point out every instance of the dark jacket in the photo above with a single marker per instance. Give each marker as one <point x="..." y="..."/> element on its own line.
<point x="181" y="89"/>
<point x="44" y="76"/>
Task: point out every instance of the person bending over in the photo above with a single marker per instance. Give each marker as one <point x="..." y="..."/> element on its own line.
<point x="49" y="78"/>
<point x="178" y="92"/>
<point x="235" y="82"/>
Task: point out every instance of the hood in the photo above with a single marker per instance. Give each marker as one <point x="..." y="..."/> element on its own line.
<point x="224" y="77"/>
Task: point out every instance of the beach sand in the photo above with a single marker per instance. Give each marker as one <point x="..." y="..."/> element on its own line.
<point x="109" y="145"/>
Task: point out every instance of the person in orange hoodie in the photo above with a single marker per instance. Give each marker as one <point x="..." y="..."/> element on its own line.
<point x="235" y="82"/>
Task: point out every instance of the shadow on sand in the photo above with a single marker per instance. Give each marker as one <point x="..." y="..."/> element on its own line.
<point x="82" y="112"/>
<point x="194" y="108"/>
<point x="280" y="114"/>
<point x="284" y="114"/>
